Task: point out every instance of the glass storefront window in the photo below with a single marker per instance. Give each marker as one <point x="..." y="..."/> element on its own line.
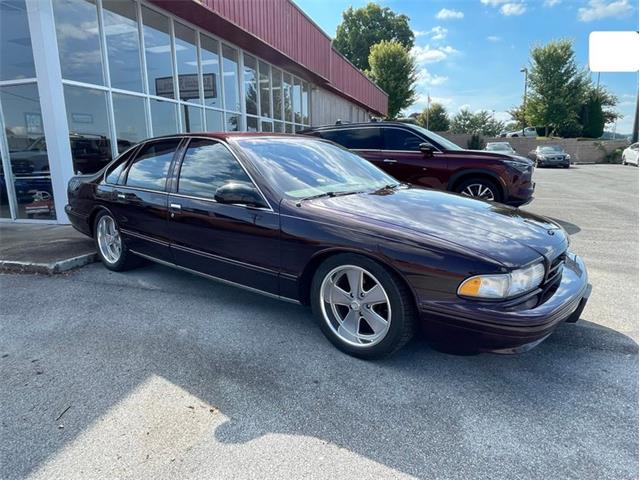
<point x="252" y="124"/>
<point x="157" y="46"/>
<point x="288" y="87"/>
<point x="230" y="74"/>
<point x="214" y="121"/>
<point x="251" y="85"/>
<point x="211" y="71"/>
<point x="278" y="127"/>
<point x="123" y="45"/>
<point x="297" y="100"/>
<point x="5" y="210"/>
<point x="277" y="93"/>
<point x="16" y="60"/>
<point x="265" y="97"/>
<point x="79" y="40"/>
<point x="187" y="60"/>
<point x="27" y="152"/>
<point x="267" y="126"/>
<point x="305" y="103"/>
<point x="288" y="128"/>
<point x="130" y="118"/>
<point x="232" y="122"/>
<point x="191" y="118"/>
<point x="164" y="117"/>
<point x="89" y="133"/>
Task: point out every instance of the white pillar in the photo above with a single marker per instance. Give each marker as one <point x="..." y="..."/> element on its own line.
<point x="52" y="104"/>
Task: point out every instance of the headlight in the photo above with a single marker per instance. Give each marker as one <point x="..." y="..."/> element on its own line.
<point x="504" y="285"/>
<point x="520" y="166"/>
<point x="568" y="157"/>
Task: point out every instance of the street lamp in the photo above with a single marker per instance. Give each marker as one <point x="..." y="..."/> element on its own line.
<point x="524" y="70"/>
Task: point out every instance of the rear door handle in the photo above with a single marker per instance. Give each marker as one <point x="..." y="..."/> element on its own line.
<point x="121" y="196"/>
<point x="175" y="206"/>
<point x="389" y="160"/>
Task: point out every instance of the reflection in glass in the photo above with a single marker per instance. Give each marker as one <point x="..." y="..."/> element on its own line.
<point x="288" y="128"/>
<point x="150" y="167"/>
<point x="16" y="60"/>
<point x="277" y="93"/>
<point x="78" y="40"/>
<point x="278" y="127"/>
<point x="5" y="210"/>
<point x="266" y="126"/>
<point x="252" y="124"/>
<point x="157" y="46"/>
<point x="214" y="121"/>
<point x="297" y="100"/>
<point x="123" y="46"/>
<point x="230" y="73"/>
<point x="187" y="59"/>
<point x="250" y="85"/>
<point x="131" y="123"/>
<point x="206" y="166"/>
<point x="191" y="119"/>
<point x="305" y="103"/>
<point x="288" y="107"/>
<point x="34" y="196"/>
<point x="163" y="118"/>
<point x="265" y="97"/>
<point x="211" y="71"/>
<point x="232" y="122"/>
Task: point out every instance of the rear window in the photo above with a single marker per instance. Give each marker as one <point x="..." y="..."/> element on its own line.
<point x="369" y="138"/>
<point x="114" y="172"/>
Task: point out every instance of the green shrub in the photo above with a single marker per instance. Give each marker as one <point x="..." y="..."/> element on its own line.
<point x="475" y="142"/>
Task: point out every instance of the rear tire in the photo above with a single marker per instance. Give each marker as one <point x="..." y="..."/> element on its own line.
<point x="112" y="251"/>
<point x="364" y="309"/>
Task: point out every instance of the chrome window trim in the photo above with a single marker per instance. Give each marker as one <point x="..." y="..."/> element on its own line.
<point x="218" y="279"/>
<point x="381" y="127"/>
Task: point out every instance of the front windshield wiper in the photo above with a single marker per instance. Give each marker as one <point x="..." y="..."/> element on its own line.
<point x="327" y="194"/>
<point x="391" y="186"/>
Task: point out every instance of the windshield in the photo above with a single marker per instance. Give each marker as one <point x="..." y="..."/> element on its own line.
<point x="305" y="167"/>
<point x="498" y="146"/>
<point x="551" y="149"/>
<point x="446" y="144"/>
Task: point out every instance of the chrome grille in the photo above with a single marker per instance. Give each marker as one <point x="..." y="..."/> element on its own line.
<point x="555" y="270"/>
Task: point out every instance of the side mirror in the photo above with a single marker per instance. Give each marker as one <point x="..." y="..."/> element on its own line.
<point x="427" y="149"/>
<point x="239" y="193"/>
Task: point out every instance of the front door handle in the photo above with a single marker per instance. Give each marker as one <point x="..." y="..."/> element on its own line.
<point x="175" y="206"/>
<point x="389" y="160"/>
<point x="121" y="196"/>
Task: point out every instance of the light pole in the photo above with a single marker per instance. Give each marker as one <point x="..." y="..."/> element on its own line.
<point x="524" y="70"/>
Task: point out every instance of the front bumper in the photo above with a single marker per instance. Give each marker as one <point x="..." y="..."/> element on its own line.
<point x="506" y="327"/>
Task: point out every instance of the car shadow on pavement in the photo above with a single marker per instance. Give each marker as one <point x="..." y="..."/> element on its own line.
<point x="565" y="409"/>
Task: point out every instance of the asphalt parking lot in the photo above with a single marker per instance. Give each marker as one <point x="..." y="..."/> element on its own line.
<point x="158" y="374"/>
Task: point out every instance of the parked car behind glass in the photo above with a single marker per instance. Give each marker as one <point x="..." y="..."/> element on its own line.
<point x="305" y="220"/>
<point x="415" y="155"/>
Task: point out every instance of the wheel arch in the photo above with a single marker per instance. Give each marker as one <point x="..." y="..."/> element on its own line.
<point x="94" y="213"/>
<point x="305" y="279"/>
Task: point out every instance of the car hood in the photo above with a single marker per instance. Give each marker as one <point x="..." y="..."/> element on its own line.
<point x="493" y="231"/>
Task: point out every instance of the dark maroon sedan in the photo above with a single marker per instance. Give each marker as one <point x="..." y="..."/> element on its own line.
<point x="304" y="220"/>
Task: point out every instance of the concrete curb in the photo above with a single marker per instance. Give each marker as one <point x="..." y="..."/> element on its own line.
<point x="13" y="266"/>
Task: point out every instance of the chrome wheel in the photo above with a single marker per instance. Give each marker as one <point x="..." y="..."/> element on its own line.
<point x="109" y="240"/>
<point x="355" y="306"/>
<point x="478" y="190"/>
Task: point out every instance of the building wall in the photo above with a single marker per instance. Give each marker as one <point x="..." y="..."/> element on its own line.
<point x="327" y="108"/>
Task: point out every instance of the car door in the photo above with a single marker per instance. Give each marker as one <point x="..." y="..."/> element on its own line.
<point x="140" y="201"/>
<point x="401" y="158"/>
<point x="236" y="243"/>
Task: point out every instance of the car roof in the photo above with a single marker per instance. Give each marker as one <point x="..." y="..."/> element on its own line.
<point x="226" y="135"/>
<point x="338" y="126"/>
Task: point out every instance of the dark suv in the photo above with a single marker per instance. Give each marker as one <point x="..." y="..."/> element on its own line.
<point x="415" y="155"/>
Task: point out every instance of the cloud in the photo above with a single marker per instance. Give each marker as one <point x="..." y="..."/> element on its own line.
<point x="509" y="9"/>
<point x="494" y="38"/>
<point x="599" y="9"/>
<point x="493" y="3"/>
<point x="446" y="14"/>
<point x="551" y="3"/>
<point x="438" y="33"/>
<point x="426" y="54"/>
<point x="426" y="77"/>
<point x="420" y="33"/>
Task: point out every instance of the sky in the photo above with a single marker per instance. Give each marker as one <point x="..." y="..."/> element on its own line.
<point x="469" y="52"/>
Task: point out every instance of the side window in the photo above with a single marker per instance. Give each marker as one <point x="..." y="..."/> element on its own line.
<point x="368" y="138"/>
<point x="113" y="174"/>
<point x="208" y="165"/>
<point x="151" y="166"/>
<point x="399" y="139"/>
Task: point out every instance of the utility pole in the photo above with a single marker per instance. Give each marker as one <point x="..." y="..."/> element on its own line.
<point x="524" y="70"/>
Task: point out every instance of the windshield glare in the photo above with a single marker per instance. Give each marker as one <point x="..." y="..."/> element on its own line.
<point x="498" y="146"/>
<point x="446" y="144"/>
<point x="551" y="148"/>
<point x="304" y="167"/>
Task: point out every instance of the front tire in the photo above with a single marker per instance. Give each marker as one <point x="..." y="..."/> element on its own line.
<point x="479" y="188"/>
<point x="363" y="309"/>
<point x="111" y="249"/>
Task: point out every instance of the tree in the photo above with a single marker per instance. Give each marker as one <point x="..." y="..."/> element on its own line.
<point x="364" y="27"/>
<point x="394" y="70"/>
<point x="558" y="88"/>
<point x="438" y="118"/>
<point x="519" y="117"/>
<point x="482" y="122"/>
